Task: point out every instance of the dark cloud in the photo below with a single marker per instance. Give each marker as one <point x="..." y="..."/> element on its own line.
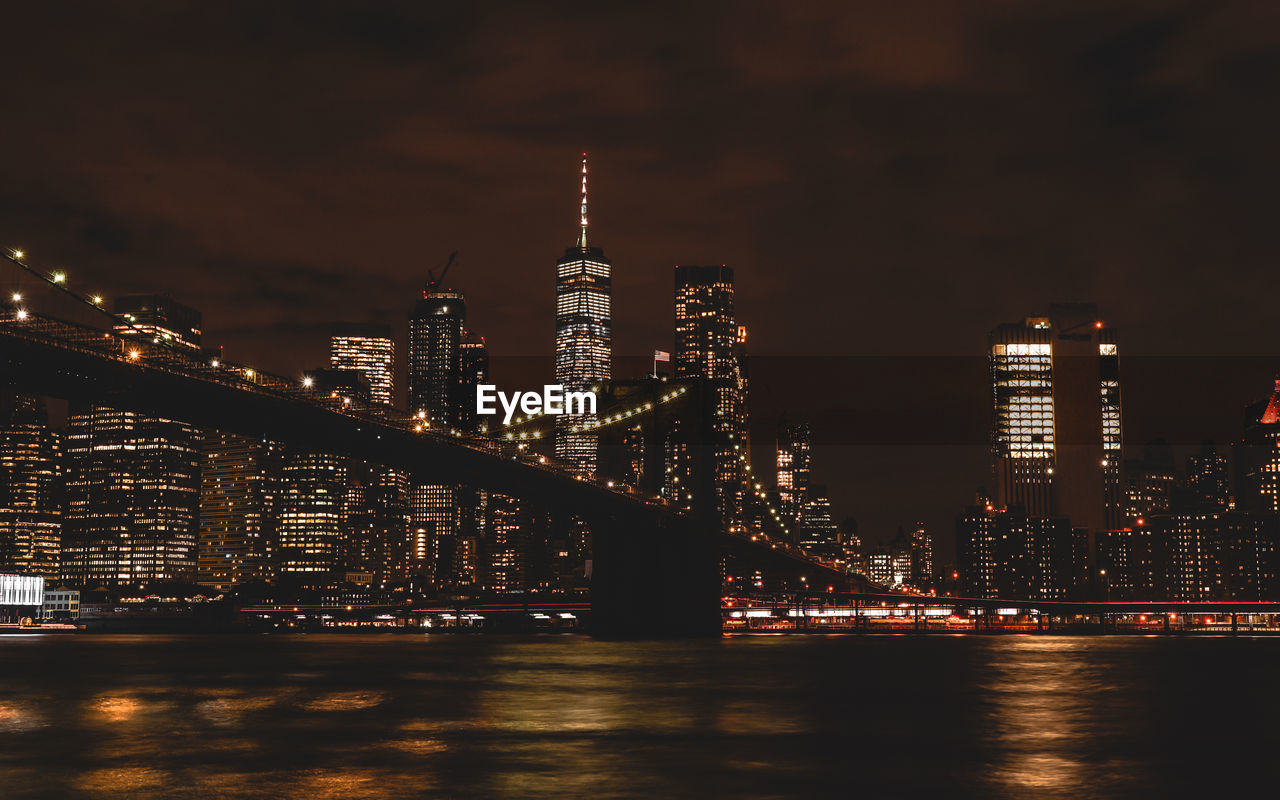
<point x="887" y="179"/>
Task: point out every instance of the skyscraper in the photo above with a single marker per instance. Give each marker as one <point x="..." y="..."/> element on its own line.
<point x="239" y="503"/>
<point x="30" y="488"/>
<point x="311" y="524"/>
<point x="1208" y="480"/>
<point x="1008" y="553"/>
<point x="794" y="460"/>
<point x="1258" y="456"/>
<point x="817" y="532"/>
<point x="921" y="556"/>
<point x="584" y="334"/>
<point x="436" y="326"/>
<point x="378" y="539"/>
<point x="133" y="481"/>
<point x="1057" y="439"/>
<point x="133" y="495"/>
<point x="1149" y="482"/>
<point x="368" y="349"/>
<point x="708" y="345"/>
<point x="473" y="356"/>
<point x="315" y="502"/>
<point x="446" y="363"/>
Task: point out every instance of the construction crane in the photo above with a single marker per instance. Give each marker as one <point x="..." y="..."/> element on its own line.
<point x="433" y="281"/>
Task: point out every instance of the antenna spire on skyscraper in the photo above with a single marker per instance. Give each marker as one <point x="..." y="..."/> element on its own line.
<point x="582" y="234"/>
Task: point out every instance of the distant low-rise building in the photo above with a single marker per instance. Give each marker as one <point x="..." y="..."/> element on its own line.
<point x="60" y="605"/>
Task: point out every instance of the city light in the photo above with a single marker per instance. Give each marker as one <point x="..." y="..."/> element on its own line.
<point x="16" y="297"/>
<point x="22" y="313"/>
<point x="133" y="355"/>
<point x="307" y="382"/>
<point x="18" y="254"/>
<point x="59" y="277"/>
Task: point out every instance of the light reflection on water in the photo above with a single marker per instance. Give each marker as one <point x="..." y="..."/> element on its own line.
<point x="350" y="716"/>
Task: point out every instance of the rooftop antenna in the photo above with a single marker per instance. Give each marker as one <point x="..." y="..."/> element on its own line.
<point x="582" y="233"/>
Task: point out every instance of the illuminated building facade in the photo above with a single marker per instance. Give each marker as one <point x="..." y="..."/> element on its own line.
<point x="1217" y="556"/>
<point x="584" y="334"/>
<point x="436" y="327"/>
<point x="709" y="344"/>
<point x="1057" y="436"/>
<point x="446" y="363"/>
<point x="1258" y="457"/>
<point x="1195" y="556"/>
<point x="1150" y="482"/>
<point x="161" y="318"/>
<point x="30" y="484"/>
<point x="1009" y="553"/>
<point x="369" y="350"/>
<point x="133" y="497"/>
<point x="311" y="522"/>
<point x="817" y="531"/>
<point x="435" y="515"/>
<point x="239" y="499"/>
<point x="794" y="461"/>
<point x="133" y="481"/>
<point x="473" y="357"/>
<point x="1208" y="480"/>
<point x="379" y="540"/>
<point x="921" y="556"/>
<point x="505" y="546"/>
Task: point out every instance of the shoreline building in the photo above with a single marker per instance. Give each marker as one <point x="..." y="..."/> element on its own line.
<point x="239" y="497"/>
<point x="1257" y="458"/>
<point x="1010" y="553"/>
<point x="584" y="335"/>
<point x="30" y="488"/>
<point x="313" y="522"/>
<point x="446" y="364"/>
<point x="133" y="480"/>
<point x="1056" y="439"/>
<point x="379" y="540"/>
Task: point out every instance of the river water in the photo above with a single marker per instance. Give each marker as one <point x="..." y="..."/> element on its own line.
<point x="400" y="716"/>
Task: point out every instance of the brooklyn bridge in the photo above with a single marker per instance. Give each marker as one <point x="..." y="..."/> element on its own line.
<point x="657" y="566"/>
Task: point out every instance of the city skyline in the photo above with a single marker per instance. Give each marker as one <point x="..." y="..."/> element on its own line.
<point x="593" y="400"/>
<point x="887" y="214"/>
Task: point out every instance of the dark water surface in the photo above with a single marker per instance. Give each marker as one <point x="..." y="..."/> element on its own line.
<point x="351" y="716"/>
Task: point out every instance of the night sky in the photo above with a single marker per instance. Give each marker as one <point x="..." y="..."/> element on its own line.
<point x="888" y="182"/>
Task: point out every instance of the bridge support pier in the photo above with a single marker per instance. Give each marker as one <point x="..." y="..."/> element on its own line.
<point x="654" y="582"/>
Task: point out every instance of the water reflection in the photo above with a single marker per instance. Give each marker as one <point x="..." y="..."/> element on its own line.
<point x="18" y="717"/>
<point x="114" y="708"/>
<point x="746" y="717"/>
<point x="345" y="701"/>
<point x="1046" y="694"/>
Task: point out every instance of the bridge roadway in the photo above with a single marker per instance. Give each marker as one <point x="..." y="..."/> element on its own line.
<point x="643" y="547"/>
